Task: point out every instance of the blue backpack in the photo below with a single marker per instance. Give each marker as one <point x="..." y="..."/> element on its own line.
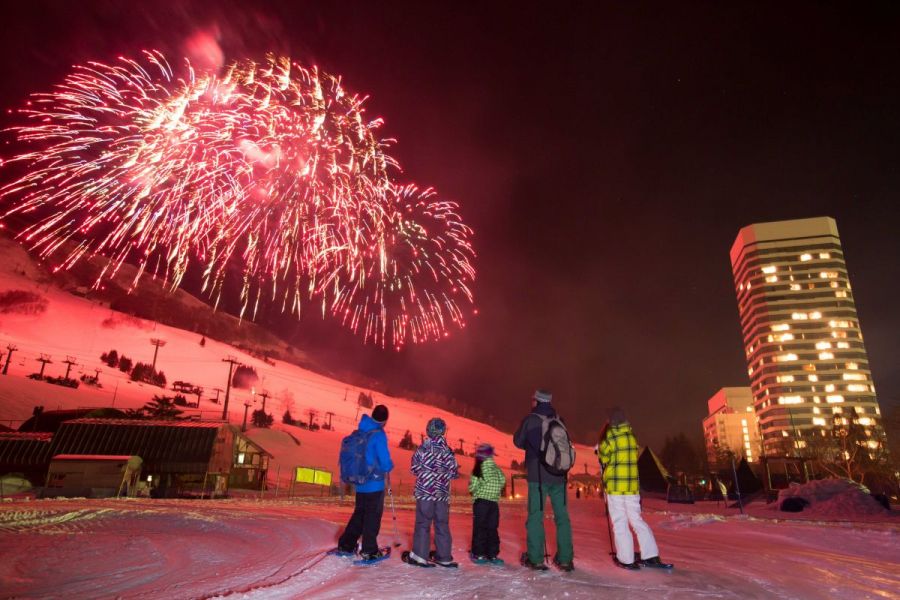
<point x="354" y="468"/>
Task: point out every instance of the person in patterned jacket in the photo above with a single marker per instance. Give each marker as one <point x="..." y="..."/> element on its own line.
<point x="485" y="485"/>
<point x="618" y="455"/>
<point x="434" y="466"/>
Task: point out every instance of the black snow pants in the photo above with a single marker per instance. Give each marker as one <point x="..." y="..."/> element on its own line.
<point x="486" y="521"/>
<point x="365" y="521"/>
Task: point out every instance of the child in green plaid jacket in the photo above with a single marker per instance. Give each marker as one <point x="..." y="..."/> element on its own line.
<point x="486" y="486"/>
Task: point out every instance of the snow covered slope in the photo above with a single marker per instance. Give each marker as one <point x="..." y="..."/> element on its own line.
<point x="81" y="329"/>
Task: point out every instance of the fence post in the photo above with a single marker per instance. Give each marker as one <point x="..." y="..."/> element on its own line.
<point x="277" y="480"/>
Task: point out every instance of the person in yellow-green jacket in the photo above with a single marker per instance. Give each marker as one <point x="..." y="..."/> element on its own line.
<point x="618" y="455"/>
<point x="485" y="486"/>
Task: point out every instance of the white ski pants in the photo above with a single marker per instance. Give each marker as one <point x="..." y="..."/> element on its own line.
<point x="624" y="511"/>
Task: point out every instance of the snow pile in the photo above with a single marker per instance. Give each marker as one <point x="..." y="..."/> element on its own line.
<point x="833" y="498"/>
<point x="683" y="521"/>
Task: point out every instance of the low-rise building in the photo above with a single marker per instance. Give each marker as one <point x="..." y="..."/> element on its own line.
<point x="731" y="425"/>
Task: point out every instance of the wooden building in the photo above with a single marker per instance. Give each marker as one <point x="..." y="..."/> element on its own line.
<point x="179" y="457"/>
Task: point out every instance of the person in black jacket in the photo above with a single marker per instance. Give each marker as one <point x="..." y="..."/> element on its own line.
<point x="542" y="483"/>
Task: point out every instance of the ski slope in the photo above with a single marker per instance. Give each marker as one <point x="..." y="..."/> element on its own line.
<point x="75" y="327"/>
<point x="274" y="550"/>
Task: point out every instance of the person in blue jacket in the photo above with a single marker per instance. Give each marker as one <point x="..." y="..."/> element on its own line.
<point x="366" y="518"/>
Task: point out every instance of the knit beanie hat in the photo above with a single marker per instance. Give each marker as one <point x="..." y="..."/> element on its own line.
<point x="543" y="396"/>
<point x="617" y="416"/>
<point x="436" y="428"/>
<point x="380" y="414"/>
<point x="484" y="451"/>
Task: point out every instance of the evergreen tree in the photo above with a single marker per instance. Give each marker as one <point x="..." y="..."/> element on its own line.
<point x="261" y="419"/>
<point x="162" y="407"/>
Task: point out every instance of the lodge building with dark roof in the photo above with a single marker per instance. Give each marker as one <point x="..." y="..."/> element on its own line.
<point x="179" y="457"/>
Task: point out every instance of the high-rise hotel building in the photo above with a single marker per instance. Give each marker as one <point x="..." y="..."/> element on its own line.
<point x="805" y="354"/>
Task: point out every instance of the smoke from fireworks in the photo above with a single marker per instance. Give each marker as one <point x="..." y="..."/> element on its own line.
<point x="269" y="172"/>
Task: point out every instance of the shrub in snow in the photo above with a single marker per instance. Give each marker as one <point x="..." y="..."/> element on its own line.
<point x="125" y="364"/>
<point x="72" y="383"/>
<point x="287" y="419"/>
<point x="365" y="400"/>
<point x="261" y="419"/>
<point x="111" y="358"/>
<point x="22" y="302"/>
<point x="244" y="377"/>
<point x="144" y="372"/>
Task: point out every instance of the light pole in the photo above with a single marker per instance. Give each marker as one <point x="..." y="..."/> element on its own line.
<point x="156" y="344"/>
<point x="232" y="361"/>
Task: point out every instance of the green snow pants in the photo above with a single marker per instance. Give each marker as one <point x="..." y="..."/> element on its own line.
<point x="535" y="524"/>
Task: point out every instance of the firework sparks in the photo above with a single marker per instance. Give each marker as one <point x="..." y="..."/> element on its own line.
<point x="270" y="169"/>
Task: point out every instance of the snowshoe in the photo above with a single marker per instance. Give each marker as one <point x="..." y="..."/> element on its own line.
<point x="486" y="560"/>
<point x="405" y="557"/>
<point x="450" y="564"/>
<point x="370" y="559"/>
<point x="567" y="567"/>
<point x="628" y="566"/>
<point x="340" y="552"/>
<point x="527" y="563"/>
<point x="655" y="563"/>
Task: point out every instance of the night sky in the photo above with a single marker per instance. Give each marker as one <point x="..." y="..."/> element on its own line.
<point x="606" y="158"/>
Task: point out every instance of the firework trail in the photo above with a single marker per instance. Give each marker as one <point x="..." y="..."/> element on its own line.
<point x="269" y="172"/>
<point x="414" y="275"/>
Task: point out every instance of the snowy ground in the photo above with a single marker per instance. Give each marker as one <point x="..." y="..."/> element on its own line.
<point x="273" y="549"/>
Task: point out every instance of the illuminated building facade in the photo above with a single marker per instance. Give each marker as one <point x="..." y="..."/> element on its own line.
<point x="731" y="425"/>
<point x="805" y="354"/>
